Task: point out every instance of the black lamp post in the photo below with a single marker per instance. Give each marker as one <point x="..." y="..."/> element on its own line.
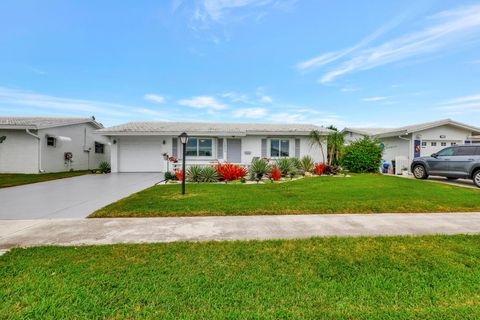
<point x="183" y="139"/>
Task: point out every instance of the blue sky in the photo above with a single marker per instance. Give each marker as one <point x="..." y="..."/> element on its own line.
<point x="346" y="63"/>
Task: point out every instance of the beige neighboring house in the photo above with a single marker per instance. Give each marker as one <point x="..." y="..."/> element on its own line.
<point x="146" y="146"/>
<point x="405" y="143"/>
<point x="50" y="144"/>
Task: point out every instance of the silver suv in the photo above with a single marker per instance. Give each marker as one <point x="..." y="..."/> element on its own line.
<point x="454" y="162"/>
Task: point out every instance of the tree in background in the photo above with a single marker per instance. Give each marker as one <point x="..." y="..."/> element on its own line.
<point x="335" y="145"/>
<point x="364" y="155"/>
<point x="317" y="139"/>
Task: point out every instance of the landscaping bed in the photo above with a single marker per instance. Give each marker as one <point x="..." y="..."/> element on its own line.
<point x="428" y="277"/>
<point x="360" y="193"/>
<point x="17" y="179"/>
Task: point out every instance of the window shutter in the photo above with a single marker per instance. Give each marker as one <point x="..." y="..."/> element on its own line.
<point x="264" y="148"/>
<point x="297" y="148"/>
<point x="220" y="148"/>
<point x="175" y="147"/>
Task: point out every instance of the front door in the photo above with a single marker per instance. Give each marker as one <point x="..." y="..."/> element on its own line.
<point x="234" y="150"/>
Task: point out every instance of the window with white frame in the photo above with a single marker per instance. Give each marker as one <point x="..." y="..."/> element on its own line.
<point x="424" y="143"/>
<point x="444" y="144"/>
<point x="199" y="147"/>
<point x="279" y="148"/>
<point x="433" y="144"/>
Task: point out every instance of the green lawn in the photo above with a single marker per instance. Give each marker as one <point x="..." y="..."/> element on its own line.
<point x="17" y="179"/>
<point x="360" y="193"/>
<point x="431" y="277"/>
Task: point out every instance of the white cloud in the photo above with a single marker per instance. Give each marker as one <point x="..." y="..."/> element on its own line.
<point x="237" y="97"/>
<point x="48" y="104"/>
<point x="266" y="99"/>
<point x="154" y="98"/>
<point x="464" y="99"/>
<point x="250" y="113"/>
<point x="220" y="11"/>
<point x="370" y="99"/>
<point x="203" y="102"/>
<point x="448" y="29"/>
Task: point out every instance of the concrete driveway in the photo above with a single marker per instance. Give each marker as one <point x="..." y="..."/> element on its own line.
<point x="75" y="197"/>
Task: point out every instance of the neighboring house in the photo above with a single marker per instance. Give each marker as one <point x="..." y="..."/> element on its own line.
<point x="50" y="144"/>
<point x="405" y="143"/>
<point x="145" y="146"/>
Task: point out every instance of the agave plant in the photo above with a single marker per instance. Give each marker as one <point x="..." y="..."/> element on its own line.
<point x="306" y="164"/>
<point x="209" y="174"/>
<point x="194" y="173"/>
<point x="286" y="166"/>
<point x="104" y="167"/>
<point x="259" y="168"/>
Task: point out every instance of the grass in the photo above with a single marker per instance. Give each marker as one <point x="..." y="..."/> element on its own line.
<point x="358" y="194"/>
<point x="17" y="179"/>
<point x="429" y="277"/>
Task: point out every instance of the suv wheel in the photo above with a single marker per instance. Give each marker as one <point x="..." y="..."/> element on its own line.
<point x="419" y="172"/>
<point x="476" y="178"/>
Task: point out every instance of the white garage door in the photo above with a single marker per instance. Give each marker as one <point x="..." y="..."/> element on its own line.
<point x="432" y="146"/>
<point x="140" y="154"/>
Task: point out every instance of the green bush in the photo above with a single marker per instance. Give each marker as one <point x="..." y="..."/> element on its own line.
<point x="104" y="167"/>
<point x="306" y="164"/>
<point x="258" y="169"/>
<point x="363" y="155"/>
<point x="169" y="176"/>
<point x="209" y="174"/>
<point x="194" y="173"/>
<point x="288" y="166"/>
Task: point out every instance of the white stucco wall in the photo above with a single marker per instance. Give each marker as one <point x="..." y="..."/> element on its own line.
<point x="82" y="138"/>
<point x="18" y="153"/>
<point x="251" y="147"/>
<point x="395" y="147"/>
<point x="450" y="133"/>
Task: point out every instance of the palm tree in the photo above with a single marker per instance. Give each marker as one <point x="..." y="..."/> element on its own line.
<point x="335" y="143"/>
<point x="317" y="139"/>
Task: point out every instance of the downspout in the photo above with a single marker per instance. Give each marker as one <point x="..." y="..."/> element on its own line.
<point x="39" y="148"/>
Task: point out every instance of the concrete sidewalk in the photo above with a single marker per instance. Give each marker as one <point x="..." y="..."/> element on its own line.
<point x="143" y="230"/>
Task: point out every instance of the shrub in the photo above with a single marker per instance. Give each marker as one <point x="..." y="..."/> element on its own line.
<point x="286" y="166"/>
<point x="364" y="155"/>
<point x="209" y="174"/>
<point x="104" y="167"/>
<point x="230" y="172"/>
<point x="170" y="176"/>
<point x="275" y="173"/>
<point x="319" y="168"/>
<point x="179" y="174"/>
<point x="259" y="168"/>
<point x="194" y="173"/>
<point x="306" y="164"/>
<point x="333" y="170"/>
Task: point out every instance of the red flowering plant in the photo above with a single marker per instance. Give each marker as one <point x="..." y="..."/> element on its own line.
<point x="179" y="174"/>
<point x="275" y="174"/>
<point x="230" y="172"/>
<point x="319" y="168"/>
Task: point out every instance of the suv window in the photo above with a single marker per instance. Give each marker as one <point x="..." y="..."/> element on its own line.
<point x="465" y="151"/>
<point x="445" y="152"/>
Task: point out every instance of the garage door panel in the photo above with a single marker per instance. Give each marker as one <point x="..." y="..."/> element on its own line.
<point x="142" y="154"/>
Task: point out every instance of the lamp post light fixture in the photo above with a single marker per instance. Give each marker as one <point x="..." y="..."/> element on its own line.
<point x="183" y="139"/>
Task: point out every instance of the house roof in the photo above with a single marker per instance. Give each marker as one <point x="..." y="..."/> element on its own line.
<point x="36" y="123"/>
<point x="389" y="132"/>
<point x="209" y="128"/>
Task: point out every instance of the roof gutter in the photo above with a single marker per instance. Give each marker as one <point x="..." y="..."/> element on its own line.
<point x="27" y="130"/>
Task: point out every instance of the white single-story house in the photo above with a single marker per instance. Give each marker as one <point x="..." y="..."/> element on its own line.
<point x="405" y="143"/>
<point x="146" y="146"/>
<point x="50" y="144"/>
